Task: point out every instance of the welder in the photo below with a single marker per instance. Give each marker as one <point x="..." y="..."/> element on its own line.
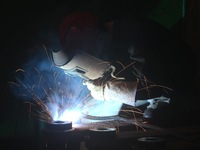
<point x="122" y="59"/>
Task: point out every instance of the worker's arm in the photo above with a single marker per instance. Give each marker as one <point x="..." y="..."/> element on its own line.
<point x="116" y="90"/>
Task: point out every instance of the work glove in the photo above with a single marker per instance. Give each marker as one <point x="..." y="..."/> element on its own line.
<point x="114" y="90"/>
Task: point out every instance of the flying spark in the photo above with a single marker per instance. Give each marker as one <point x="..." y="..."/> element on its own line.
<point x="50" y="95"/>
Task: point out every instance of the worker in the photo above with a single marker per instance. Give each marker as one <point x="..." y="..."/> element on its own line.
<point x="122" y="59"/>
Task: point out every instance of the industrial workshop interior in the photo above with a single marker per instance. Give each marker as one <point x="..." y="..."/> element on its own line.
<point x="46" y="105"/>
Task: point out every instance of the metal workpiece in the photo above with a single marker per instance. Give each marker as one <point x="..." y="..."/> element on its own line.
<point x="117" y="133"/>
<point x="58" y="135"/>
<point x="102" y="132"/>
<point x="151" y="143"/>
<point x="102" y="138"/>
<point x="58" y="125"/>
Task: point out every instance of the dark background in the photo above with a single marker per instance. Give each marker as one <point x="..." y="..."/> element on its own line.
<point x="23" y="25"/>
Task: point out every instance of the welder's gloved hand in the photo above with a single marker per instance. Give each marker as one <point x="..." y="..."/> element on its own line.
<point x="116" y="90"/>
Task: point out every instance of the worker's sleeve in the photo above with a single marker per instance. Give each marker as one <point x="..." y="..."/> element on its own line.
<point x="114" y="90"/>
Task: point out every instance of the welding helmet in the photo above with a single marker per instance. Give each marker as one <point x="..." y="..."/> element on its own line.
<point x="78" y="36"/>
<point x="79" y="31"/>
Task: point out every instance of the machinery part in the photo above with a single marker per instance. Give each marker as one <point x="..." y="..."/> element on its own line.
<point x="59" y="125"/>
<point x="151" y="143"/>
<point x="102" y="138"/>
<point x="57" y="135"/>
<point x="102" y="132"/>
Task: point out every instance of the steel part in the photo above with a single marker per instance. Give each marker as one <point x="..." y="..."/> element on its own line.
<point x="102" y="138"/>
<point x="102" y="132"/>
<point x="96" y="137"/>
<point x="59" y="125"/>
<point x="57" y="135"/>
<point x="151" y="143"/>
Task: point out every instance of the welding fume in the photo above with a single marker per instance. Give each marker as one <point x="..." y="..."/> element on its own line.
<point x="125" y="59"/>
